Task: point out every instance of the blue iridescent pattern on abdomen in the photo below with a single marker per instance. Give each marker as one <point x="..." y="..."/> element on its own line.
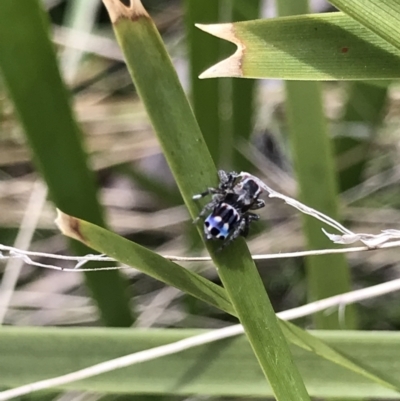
<point x="222" y="227"/>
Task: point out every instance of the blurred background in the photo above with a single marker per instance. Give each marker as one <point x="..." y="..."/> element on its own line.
<point x="246" y="126"/>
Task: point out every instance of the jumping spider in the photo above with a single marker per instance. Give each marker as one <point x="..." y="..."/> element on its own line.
<point x="231" y="201"/>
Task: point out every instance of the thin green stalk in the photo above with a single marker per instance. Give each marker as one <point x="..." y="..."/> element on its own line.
<point x="203" y="51"/>
<point x="363" y="113"/>
<point x="80" y="16"/>
<point x="313" y="160"/>
<point x="243" y="92"/>
<point x="204" y="94"/>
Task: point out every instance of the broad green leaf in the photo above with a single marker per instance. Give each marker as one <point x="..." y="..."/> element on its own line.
<point x="330" y="46"/>
<point x="129" y="253"/>
<point x="225" y="368"/>
<point x="191" y="164"/>
<point x="29" y="67"/>
<point x="381" y="16"/>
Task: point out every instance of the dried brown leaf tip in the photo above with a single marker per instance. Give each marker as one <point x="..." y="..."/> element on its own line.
<point x="69" y="226"/>
<point x="118" y="10"/>
<point x="232" y="66"/>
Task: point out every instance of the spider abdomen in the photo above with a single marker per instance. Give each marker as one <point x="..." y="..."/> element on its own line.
<point x="221" y="222"/>
<point x="231" y="205"/>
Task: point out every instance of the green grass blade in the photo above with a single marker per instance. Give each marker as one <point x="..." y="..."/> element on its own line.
<point x="205" y="96"/>
<point x="314" y="166"/>
<point x="366" y="102"/>
<point x="148" y="262"/>
<point x="212" y="99"/>
<point x="230" y="369"/>
<point x="203" y="51"/>
<point x="364" y="111"/>
<point x="302" y="339"/>
<point x="166" y="195"/>
<point x="80" y="16"/>
<point x="154" y="265"/>
<point x="329" y="46"/>
<point x="311" y="149"/>
<point x="28" y="65"/>
<point x="166" y="103"/>
<point x="382" y="16"/>
<point x="7" y="235"/>
<point x="246" y="291"/>
<point x="243" y="91"/>
<point x="191" y="164"/>
<point x="313" y="160"/>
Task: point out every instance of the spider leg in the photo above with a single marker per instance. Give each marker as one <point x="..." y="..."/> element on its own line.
<point x="209" y="206"/>
<point x="247" y="219"/>
<point x="246" y="225"/>
<point x="258" y="205"/>
<point x="223" y="176"/>
<point x="210" y="191"/>
<point x="227" y="180"/>
<point x="252" y="216"/>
